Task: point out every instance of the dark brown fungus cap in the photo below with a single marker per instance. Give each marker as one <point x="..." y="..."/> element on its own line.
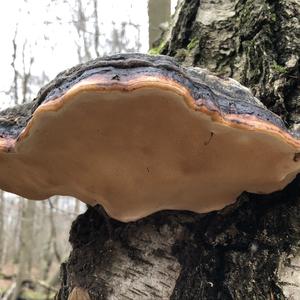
<point x="139" y="134"/>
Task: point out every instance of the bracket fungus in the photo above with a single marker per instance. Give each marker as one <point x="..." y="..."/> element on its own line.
<point x="138" y="134"/>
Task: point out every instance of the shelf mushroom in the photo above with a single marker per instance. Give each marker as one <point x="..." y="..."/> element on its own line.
<point x="139" y="134"/>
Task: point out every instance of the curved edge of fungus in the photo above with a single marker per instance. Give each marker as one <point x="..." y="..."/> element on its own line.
<point x="100" y="83"/>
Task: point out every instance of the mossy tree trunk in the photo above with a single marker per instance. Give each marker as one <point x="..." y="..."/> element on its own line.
<point x="243" y="252"/>
<point x="254" y="42"/>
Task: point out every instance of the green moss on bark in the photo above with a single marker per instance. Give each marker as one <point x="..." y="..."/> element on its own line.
<point x="192" y="44"/>
<point x="243" y="41"/>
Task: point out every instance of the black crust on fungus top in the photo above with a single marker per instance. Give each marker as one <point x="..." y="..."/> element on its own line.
<point x="225" y="96"/>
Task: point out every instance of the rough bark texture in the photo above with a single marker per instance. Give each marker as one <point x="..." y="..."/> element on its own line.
<point x="255" y="42"/>
<point x="232" y="254"/>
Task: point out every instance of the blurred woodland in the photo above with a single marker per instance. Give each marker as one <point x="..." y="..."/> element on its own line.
<point x="34" y="235"/>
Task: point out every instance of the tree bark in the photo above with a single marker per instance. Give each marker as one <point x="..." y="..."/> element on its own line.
<point x="255" y="42"/>
<point x="236" y="253"/>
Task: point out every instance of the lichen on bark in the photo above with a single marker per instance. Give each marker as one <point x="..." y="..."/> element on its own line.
<point x="255" y="42"/>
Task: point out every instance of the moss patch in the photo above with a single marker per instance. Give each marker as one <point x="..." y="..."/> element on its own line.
<point x="193" y="43"/>
<point x="157" y="50"/>
<point x="279" y="69"/>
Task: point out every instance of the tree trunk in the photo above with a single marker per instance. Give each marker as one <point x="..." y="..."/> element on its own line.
<point x="159" y="12"/>
<point x="26" y="243"/>
<point x="236" y="253"/>
<point x="254" y="42"/>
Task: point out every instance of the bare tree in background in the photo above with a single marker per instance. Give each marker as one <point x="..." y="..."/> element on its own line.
<point x="26" y="244"/>
<point x="119" y="41"/>
<point x="89" y="34"/>
<point x="14" y="88"/>
<point x="84" y="53"/>
<point x="27" y="207"/>
<point x="88" y="43"/>
<point x="159" y="12"/>
<point x="51" y="249"/>
<point x="96" y="28"/>
<point x="25" y="76"/>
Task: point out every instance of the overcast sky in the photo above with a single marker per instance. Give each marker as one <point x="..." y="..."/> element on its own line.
<point x="46" y="25"/>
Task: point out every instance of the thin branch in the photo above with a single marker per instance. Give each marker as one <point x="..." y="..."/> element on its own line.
<point x="13" y="64"/>
<point x="97" y="33"/>
<point x="53" y="233"/>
